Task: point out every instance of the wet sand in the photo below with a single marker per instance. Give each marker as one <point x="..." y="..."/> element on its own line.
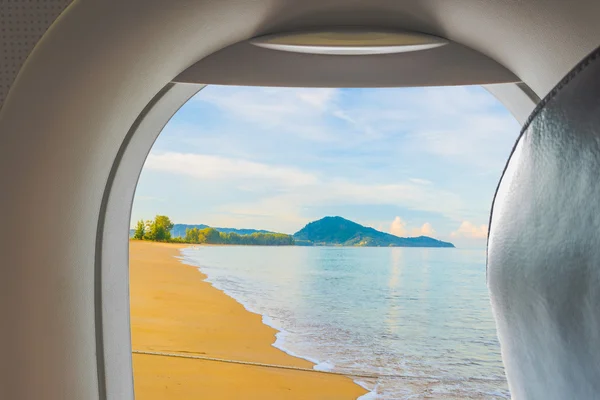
<point x="174" y="310"/>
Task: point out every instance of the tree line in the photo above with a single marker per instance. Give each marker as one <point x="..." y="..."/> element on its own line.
<point x="159" y="230"/>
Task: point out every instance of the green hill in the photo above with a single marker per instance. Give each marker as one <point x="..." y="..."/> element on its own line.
<point x="338" y="231"/>
<point x="179" y="230"/>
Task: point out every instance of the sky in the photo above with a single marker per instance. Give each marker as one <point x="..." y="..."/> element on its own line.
<point x="408" y="161"/>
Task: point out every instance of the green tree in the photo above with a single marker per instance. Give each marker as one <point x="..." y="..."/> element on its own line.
<point x="148" y="225"/>
<point x="192" y="235"/>
<point x="159" y="230"/>
<point x="209" y="235"/>
<point x="140" y="230"/>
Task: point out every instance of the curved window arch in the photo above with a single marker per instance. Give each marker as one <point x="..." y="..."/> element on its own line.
<point x="244" y="157"/>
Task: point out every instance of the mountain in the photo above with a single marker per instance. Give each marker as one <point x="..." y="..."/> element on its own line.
<point x="179" y="230"/>
<point x="338" y="231"/>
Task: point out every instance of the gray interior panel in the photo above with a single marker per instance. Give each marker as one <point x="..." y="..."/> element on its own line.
<point x="245" y="64"/>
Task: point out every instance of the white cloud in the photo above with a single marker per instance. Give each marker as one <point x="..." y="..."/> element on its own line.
<point x="420" y="181"/>
<point x="470" y="231"/>
<point x="310" y="189"/>
<point x="475" y="141"/>
<point x="332" y="192"/>
<point x="398" y="227"/>
<point x="425" y="230"/>
<point x="209" y="167"/>
<point x="457" y="123"/>
<point x="298" y="111"/>
<point x="319" y="98"/>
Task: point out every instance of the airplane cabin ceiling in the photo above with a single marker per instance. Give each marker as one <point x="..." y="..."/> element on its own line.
<point x="538" y="40"/>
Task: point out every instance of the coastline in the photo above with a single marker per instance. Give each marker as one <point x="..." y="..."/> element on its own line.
<point x="281" y="333"/>
<point x="174" y="309"/>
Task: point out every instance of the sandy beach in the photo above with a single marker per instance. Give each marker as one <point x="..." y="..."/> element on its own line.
<point x="174" y="310"/>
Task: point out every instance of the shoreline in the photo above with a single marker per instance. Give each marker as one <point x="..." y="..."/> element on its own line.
<point x="279" y="342"/>
<point x="174" y="308"/>
<point x="266" y="320"/>
<point x="280" y="334"/>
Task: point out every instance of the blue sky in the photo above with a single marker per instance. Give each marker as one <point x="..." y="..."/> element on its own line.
<point x="408" y="161"/>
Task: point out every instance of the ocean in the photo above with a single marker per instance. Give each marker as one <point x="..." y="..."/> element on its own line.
<point x="419" y="320"/>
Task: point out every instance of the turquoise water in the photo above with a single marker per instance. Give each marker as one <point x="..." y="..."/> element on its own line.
<point x="418" y="313"/>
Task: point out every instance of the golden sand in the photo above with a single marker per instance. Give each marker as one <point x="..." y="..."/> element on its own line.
<point x="174" y="310"/>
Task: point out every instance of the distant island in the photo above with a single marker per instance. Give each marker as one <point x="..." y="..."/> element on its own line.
<point x="338" y="231"/>
<point x="328" y="231"/>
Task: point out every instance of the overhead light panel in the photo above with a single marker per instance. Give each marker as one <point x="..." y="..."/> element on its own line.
<point x="349" y="42"/>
